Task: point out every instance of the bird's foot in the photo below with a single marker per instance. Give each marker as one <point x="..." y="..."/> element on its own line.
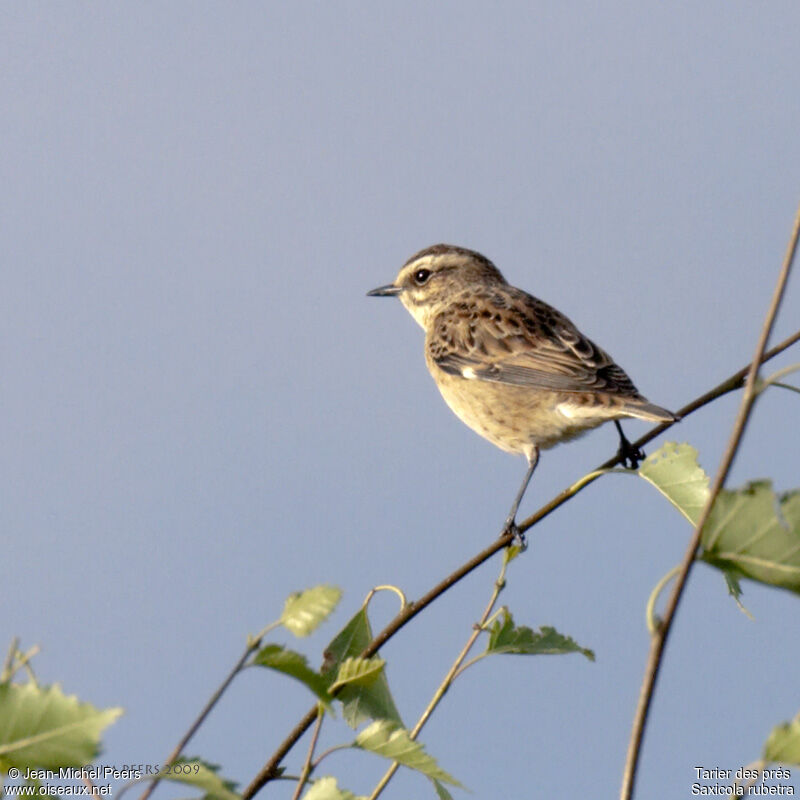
<point x="629" y="455"/>
<point x="517" y="536"/>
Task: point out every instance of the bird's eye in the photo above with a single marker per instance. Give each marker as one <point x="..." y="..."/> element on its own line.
<point x="421" y="276"/>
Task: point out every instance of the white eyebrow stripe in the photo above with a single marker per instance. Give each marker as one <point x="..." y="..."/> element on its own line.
<point x="422" y="261"/>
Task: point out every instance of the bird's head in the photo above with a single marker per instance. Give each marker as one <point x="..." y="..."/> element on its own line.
<point x="432" y="278"/>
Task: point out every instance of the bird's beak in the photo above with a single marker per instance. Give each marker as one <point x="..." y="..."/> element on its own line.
<point x="390" y="290"/>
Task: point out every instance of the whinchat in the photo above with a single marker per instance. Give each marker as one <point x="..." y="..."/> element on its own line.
<point x="511" y="367"/>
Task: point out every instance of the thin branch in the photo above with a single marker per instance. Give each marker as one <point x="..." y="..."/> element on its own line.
<point x="311" y="747"/>
<point x="387" y="588"/>
<point x="252" y="646"/>
<point x="775" y="379"/>
<point x="781" y="373"/>
<point x="201" y="717"/>
<point x="786" y="386"/>
<point x="90" y="785"/>
<point x="325" y="753"/>
<point x="7" y="674"/>
<point x="447" y="682"/>
<point x="270" y="769"/>
<point x="659" y="638"/>
<point x="18" y="660"/>
<point x="650" y="609"/>
<point x="753" y="766"/>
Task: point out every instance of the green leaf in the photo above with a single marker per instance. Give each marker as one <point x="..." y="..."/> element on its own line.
<point x="294" y="664"/>
<point x="44" y="728"/>
<point x="360" y="671"/>
<point x="756" y="533"/>
<point x="504" y="637"/>
<point x="326" y="789"/>
<point x="385" y="738"/>
<point x="783" y="744"/>
<point x="733" y="583"/>
<point x="359" y="703"/>
<point x="674" y="471"/>
<point x="201" y="775"/>
<point x="751" y="532"/>
<point x="441" y="791"/>
<point x="305" y="611"/>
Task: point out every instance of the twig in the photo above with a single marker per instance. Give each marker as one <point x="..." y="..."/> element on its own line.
<point x="270" y="769"/>
<point x="659" y="638"/>
<point x="753" y="766"/>
<point x="444" y="686"/>
<point x="325" y="753"/>
<point x="311" y="747"/>
<point x="199" y="721"/>
<point x="7" y="674"/>
<point x="18" y="660"/>
<point x="252" y="646"/>
<point x="653" y="620"/>
<point x="775" y="379"/>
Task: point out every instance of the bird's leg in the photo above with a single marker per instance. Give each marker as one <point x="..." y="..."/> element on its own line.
<point x="510" y="525"/>
<point x="627" y="452"/>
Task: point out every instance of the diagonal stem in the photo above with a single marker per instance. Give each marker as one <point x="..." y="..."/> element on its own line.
<point x="252" y="646"/>
<point x="311" y="747"/>
<point x="452" y="673"/>
<point x="659" y="638"/>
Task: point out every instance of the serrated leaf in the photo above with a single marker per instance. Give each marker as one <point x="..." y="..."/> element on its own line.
<point x="505" y="637"/>
<point x="783" y="744"/>
<point x="385" y="738"/>
<point x="359" y="703"/>
<point x="756" y="533"/>
<point x="326" y="789"/>
<point x="674" y="471"/>
<point x="289" y="662"/>
<point x="42" y="727"/>
<point x="358" y="671"/>
<point x="201" y="775"/>
<point x="305" y="611"/>
<point x="744" y="536"/>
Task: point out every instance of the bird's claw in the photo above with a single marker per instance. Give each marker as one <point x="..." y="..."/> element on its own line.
<point x="517" y="536"/>
<point x="629" y="455"/>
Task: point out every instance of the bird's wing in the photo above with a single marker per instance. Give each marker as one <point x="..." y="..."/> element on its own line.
<point x="516" y="339"/>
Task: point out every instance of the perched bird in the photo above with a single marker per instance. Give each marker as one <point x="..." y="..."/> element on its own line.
<point x="511" y="367"/>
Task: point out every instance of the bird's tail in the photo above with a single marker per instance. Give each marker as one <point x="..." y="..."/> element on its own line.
<point x="649" y="411"/>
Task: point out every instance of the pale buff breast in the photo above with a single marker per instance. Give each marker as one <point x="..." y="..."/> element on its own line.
<point x="515" y="417"/>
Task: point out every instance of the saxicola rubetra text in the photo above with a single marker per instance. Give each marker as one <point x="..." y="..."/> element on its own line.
<point x="511" y="367"/>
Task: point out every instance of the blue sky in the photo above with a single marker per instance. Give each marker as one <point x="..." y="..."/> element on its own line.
<point x="203" y="413"/>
